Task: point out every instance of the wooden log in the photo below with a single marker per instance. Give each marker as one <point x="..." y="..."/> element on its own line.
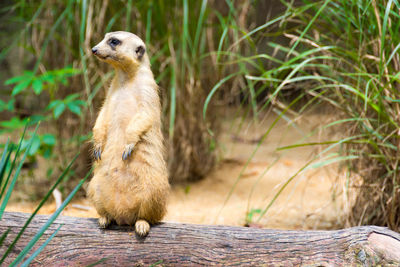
<point x="80" y="242"/>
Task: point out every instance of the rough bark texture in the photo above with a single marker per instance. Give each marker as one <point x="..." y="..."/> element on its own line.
<point x="80" y="242"/>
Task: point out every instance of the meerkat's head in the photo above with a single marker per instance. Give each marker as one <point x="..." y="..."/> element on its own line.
<point x="122" y="50"/>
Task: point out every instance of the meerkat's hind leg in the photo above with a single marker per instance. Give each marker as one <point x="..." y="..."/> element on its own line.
<point x="104" y="222"/>
<point x="127" y="151"/>
<point x="142" y="227"/>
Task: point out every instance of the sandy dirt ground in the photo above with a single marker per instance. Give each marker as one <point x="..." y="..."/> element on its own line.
<point x="313" y="199"/>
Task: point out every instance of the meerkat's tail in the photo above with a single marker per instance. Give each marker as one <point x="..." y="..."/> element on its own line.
<point x="142" y="228"/>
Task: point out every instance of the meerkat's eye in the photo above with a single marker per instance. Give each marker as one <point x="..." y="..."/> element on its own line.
<point x="114" y="42"/>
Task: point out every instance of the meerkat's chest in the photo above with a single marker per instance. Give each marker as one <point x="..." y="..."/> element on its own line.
<point x="122" y="106"/>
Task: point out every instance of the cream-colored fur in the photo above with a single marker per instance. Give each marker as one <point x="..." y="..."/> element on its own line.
<point x="130" y="182"/>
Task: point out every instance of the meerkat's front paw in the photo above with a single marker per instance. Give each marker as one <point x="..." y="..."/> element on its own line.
<point x="127" y="151"/>
<point x="97" y="151"/>
<point x="142" y="228"/>
<point x="104" y="222"/>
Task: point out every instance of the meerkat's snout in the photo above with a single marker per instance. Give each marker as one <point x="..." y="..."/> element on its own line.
<point x="94" y="50"/>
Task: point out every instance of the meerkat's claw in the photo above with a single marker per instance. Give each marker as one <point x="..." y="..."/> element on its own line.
<point x="142" y="228"/>
<point x="104" y="222"/>
<point x="127" y="151"/>
<point x="97" y="152"/>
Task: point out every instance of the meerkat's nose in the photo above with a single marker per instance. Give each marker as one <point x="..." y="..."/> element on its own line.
<point x="94" y="50"/>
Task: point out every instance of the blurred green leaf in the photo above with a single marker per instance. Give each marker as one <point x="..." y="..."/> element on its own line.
<point x="74" y="108"/>
<point x="70" y="101"/>
<point x="26" y="76"/>
<point x="47" y="153"/>
<point x="58" y="110"/>
<point x="35" y="145"/>
<point x="70" y="97"/>
<point x="15" y="79"/>
<point x="49" y="139"/>
<point x="35" y="119"/>
<point x="14" y="123"/>
<point x="250" y="214"/>
<point x="3" y="105"/>
<point x="79" y="102"/>
<point x="187" y="189"/>
<point x="53" y="104"/>
<point x="7" y="105"/>
<point x="20" y="87"/>
<point x="49" y="172"/>
<point x="37" y="86"/>
<point x="48" y="77"/>
<point x="10" y="105"/>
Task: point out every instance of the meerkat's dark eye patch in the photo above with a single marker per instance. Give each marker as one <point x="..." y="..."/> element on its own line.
<point x="113" y="42"/>
<point x="140" y="51"/>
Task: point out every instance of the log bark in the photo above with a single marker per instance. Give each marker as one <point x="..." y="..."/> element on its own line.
<point x="80" y="242"/>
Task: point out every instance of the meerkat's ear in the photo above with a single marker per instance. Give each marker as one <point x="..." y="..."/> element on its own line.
<point x="140" y="51"/>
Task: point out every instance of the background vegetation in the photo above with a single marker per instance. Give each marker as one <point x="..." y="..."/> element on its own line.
<point x="251" y="56"/>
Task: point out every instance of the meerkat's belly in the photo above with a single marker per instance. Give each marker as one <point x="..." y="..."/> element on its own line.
<point x="119" y="185"/>
<point x="116" y="192"/>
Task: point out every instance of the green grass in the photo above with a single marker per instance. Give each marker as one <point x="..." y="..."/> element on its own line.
<point x="347" y="51"/>
<point x="8" y="187"/>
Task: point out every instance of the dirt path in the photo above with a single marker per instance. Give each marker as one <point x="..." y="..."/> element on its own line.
<point x="312" y="200"/>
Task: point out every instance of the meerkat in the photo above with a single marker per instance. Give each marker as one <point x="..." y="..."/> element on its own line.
<point x="130" y="181"/>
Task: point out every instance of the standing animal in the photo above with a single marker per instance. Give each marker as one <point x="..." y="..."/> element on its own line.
<point x="130" y="181"/>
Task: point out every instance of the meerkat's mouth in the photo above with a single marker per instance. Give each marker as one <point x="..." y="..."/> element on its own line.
<point x="102" y="57"/>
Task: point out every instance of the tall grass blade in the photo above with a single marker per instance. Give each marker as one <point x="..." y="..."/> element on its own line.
<point x="97" y="262"/>
<point x="128" y="16"/>
<point x="13" y="164"/>
<point x="305" y="166"/>
<point x="172" y="112"/>
<point x="308" y="26"/>
<point x="53" y="217"/>
<point x="45" y="198"/>
<point x="112" y="21"/>
<point x="221" y="43"/>
<point x="4" y="161"/>
<point x="214" y="89"/>
<point x="7" y="49"/>
<point x="82" y="53"/>
<point x="383" y="36"/>
<point x="36" y="253"/>
<point x="50" y="35"/>
<point x="157" y="263"/>
<point x="185" y="39"/>
<point x="16" y="174"/>
<point x="265" y="25"/>
<point x="4" y="235"/>
<point x="331" y="161"/>
<point x="148" y="22"/>
<point x="200" y="24"/>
